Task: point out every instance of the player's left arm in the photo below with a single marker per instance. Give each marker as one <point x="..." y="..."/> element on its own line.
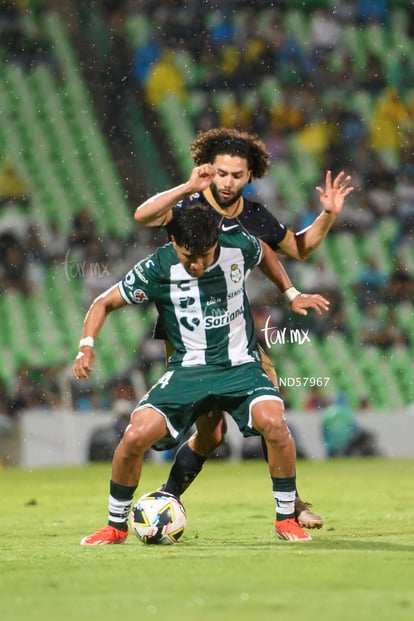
<point x="157" y="210"/>
<point x="274" y="270"/>
<point x="94" y="320"/>
<point x="301" y="245"/>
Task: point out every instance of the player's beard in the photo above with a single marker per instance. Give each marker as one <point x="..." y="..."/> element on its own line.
<point x="224" y="204"/>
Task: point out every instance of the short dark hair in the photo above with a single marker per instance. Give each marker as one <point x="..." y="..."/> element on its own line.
<point x="223" y="141"/>
<point x="195" y="228"/>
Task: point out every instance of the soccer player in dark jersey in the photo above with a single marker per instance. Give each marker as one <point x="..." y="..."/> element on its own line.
<point x="226" y="160"/>
<point x="197" y="282"/>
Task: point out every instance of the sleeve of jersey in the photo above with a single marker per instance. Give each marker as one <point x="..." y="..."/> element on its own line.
<point x="137" y="285"/>
<point x="273" y="231"/>
<point x="252" y="250"/>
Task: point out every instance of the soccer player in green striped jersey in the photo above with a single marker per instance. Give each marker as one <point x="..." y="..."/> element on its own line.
<point x="226" y="160"/>
<point x="197" y="282"/>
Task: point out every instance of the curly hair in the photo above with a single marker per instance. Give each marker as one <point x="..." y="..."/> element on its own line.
<point x="223" y="141"/>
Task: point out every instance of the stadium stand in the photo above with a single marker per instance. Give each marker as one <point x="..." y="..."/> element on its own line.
<point x="50" y="129"/>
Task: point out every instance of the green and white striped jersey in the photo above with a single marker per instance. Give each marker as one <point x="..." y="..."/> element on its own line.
<point x="207" y="319"/>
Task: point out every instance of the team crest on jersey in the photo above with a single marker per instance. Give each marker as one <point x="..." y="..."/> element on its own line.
<point x="140" y="296"/>
<point x="235" y="273"/>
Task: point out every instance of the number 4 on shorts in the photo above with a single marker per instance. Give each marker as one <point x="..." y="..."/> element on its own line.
<point x="164" y="379"/>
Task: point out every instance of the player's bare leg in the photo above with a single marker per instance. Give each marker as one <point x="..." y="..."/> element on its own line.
<point x="146" y="428"/>
<point x="268" y="418"/>
<point x="210" y="433"/>
<point x="303" y="514"/>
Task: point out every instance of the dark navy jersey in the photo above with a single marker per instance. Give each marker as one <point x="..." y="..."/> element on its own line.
<point x="254" y="219"/>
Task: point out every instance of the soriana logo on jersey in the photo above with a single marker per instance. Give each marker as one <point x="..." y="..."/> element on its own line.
<point x="220" y="318"/>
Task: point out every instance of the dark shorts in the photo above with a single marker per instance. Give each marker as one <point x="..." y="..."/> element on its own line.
<point x="159" y="331"/>
<point x="183" y="394"/>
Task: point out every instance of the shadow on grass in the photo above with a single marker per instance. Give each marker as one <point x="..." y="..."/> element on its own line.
<point x="363" y="545"/>
<point x="220" y="545"/>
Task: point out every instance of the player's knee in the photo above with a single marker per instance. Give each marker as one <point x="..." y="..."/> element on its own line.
<point x="134" y="442"/>
<point x="275" y="431"/>
<point x="140" y="435"/>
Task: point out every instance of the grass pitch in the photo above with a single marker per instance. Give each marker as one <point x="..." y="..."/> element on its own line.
<point x="229" y="564"/>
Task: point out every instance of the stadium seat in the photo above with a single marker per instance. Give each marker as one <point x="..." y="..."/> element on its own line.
<point x="178" y="128"/>
<point x="146" y="151"/>
<point x="351" y="40"/>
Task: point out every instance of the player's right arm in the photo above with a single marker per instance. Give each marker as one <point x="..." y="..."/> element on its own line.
<point x="156" y="211"/>
<point x="94" y="320"/>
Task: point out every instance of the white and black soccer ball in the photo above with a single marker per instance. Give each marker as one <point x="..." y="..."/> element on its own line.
<point x="158" y="518"/>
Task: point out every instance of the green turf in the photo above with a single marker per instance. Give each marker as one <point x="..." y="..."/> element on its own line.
<point x="229" y="565"/>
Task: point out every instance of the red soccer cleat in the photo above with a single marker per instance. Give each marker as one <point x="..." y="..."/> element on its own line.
<point x="105" y="536"/>
<point x="289" y="530"/>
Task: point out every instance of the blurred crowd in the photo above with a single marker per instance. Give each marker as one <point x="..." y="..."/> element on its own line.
<point x="22" y="35"/>
<point x="343" y="95"/>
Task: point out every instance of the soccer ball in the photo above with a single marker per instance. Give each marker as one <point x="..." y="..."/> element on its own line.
<point x="158" y="518"/>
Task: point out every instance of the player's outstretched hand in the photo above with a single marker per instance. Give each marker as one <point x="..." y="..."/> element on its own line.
<point x="201" y="177"/>
<point x="82" y="365"/>
<point x="333" y="196"/>
<point x="303" y="301"/>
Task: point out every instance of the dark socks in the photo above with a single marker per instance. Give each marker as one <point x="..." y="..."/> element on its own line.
<point x="187" y="465"/>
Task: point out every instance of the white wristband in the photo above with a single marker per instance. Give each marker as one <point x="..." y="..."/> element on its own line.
<point x="290" y="294"/>
<point x="87" y="341"/>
